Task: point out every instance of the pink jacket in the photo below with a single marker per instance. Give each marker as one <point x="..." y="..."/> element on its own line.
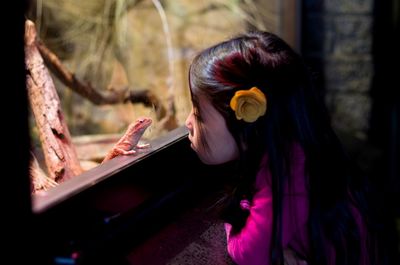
<point x="252" y="244"/>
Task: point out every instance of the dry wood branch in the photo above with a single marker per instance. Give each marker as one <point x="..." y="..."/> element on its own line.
<point x="87" y="91"/>
<point x="39" y="179"/>
<point x="169" y="122"/>
<point x="149" y="100"/>
<point x="59" y="153"/>
<point x="70" y="80"/>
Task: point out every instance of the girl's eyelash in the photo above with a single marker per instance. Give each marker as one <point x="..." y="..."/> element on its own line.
<point x="196" y="113"/>
<point x="197" y="116"/>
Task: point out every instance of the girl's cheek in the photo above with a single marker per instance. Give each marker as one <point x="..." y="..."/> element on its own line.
<point x="189" y="122"/>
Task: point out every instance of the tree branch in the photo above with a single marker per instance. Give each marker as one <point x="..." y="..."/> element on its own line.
<point x="59" y="152"/>
<point x="93" y="95"/>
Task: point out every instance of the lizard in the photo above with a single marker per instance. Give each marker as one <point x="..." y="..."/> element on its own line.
<point x="127" y="144"/>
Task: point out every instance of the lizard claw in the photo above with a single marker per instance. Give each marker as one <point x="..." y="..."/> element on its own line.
<point x="124" y="152"/>
<point x="142" y="146"/>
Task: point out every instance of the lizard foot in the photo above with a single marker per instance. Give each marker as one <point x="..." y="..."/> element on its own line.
<point x="142" y="146"/>
<point x="124" y="152"/>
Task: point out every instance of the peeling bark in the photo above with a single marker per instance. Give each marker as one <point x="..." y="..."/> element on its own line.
<point x="59" y="153"/>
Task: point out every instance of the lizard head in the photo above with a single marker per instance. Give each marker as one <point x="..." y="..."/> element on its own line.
<point x="141" y="124"/>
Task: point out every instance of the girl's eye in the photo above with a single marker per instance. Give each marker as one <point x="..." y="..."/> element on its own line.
<point x="197" y="116"/>
<point x="195" y="113"/>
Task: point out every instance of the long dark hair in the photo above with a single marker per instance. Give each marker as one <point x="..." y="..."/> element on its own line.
<point x="295" y="114"/>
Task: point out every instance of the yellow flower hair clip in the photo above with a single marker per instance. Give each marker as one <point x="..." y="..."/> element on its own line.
<point x="249" y="104"/>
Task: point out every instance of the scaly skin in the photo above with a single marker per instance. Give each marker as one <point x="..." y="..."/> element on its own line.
<point x="129" y="141"/>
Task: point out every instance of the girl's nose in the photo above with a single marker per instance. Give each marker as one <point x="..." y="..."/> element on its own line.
<point x="189" y="122"/>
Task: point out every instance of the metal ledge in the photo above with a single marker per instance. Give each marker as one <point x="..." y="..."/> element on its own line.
<point x="88" y="179"/>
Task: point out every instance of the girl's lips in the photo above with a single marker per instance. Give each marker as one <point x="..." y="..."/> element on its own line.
<point x="191" y="144"/>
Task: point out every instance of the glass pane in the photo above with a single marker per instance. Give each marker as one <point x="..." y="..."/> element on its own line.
<point x="138" y="50"/>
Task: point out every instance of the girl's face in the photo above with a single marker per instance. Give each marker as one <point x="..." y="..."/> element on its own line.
<point x="221" y="145"/>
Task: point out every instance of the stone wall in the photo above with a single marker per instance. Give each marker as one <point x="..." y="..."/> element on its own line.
<point x="338" y="40"/>
<point x="348" y="64"/>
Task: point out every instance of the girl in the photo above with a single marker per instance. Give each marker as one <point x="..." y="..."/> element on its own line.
<point x="294" y="198"/>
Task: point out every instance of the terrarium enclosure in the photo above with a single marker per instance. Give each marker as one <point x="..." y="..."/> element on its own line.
<point x="110" y="62"/>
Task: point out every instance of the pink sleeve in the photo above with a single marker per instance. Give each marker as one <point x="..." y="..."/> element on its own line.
<point x="251" y="245"/>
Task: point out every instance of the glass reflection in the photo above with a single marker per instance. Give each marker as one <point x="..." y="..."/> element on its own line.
<point x="112" y="62"/>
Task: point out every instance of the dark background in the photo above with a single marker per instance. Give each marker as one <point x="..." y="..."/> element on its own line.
<point x="25" y="235"/>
